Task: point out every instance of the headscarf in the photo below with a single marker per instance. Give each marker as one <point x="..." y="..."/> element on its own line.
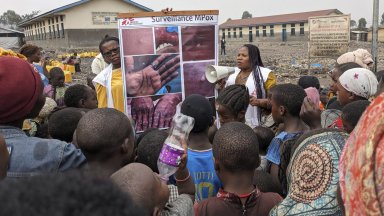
<point x="361" y="165"/>
<point x="313" y="94"/>
<point x="20" y="87"/>
<point x="360" y="56"/>
<point x="362" y="82"/>
<point x="313" y="175"/>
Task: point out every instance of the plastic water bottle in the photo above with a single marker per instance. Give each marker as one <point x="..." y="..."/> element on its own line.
<point x="170" y="155"/>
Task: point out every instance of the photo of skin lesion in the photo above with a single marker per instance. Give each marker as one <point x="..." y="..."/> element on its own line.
<point x="195" y="81"/>
<point x="198" y="42"/>
<point x="167" y="39"/>
<point x="153" y="111"/>
<point x="152" y="75"/>
<point x="137" y="41"/>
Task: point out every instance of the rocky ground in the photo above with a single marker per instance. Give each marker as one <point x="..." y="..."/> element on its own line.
<point x="288" y="60"/>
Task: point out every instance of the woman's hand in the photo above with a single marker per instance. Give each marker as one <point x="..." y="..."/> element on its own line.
<point x="262" y="103"/>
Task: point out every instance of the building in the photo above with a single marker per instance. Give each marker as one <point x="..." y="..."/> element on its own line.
<point x="286" y="27"/>
<point x="78" y="25"/>
<point x="380" y="34"/>
<point x="10" y="38"/>
<point x="358" y="35"/>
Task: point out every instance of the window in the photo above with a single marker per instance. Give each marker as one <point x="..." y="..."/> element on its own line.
<point x="284" y="25"/>
<point x="241" y="32"/>
<point x="271" y="31"/>
<point x="222" y="34"/>
<point x="301" y="28"/>
<point x="264" y="31"/>
<point x="54" y="31"/>
<point x="234" y="32"/>
<point x="45" y="34"/>
<point x="293" y="32"/>
<point x="257" y="33"/>
<point x="62" y="30"/>
<point x="49" y="22"/>
<point x="50" y="33"/>
<point x="229" y="33"/>
<point x="61" y="18"/>
<point x="57" y="19"/>
<point x="250" y="28"/>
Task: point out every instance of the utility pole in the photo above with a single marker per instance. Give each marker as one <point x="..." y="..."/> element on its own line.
<point x="375" y="30"/>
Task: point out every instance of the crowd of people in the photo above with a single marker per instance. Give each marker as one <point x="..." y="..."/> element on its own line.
<point x="275" y="149"/>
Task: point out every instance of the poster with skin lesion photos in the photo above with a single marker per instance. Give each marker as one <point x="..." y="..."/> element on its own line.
<point x="163" y="60"/>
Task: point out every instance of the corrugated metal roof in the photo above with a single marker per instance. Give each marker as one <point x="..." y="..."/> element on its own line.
<point x="278" y="19"/>
<point x="12" y="30"/>
<point x="74" y="4"/>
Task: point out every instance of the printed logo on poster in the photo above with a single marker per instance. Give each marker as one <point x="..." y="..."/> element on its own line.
<point x="129" y="21"/>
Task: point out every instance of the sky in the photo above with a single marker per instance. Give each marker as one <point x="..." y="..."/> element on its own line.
<point x="228" y="8"/>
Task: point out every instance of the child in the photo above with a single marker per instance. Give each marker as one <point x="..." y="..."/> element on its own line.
<point x="149" y="148"/>
<point x="62" y="123"/>
<point x="106" y="138"/>
<point x="232" y="103"/>
<point x="56" y="87"/>
<point x="266" y="183"/>
<point x="352" y="113"/>
<point x="80" y="96"/>
<point x="264" y="137"/>
<point x="149" y="192"/>
<point x="286" y="100"/>
<point x="90" y="77"/>
<point x="234" y="149"/>
<point x="309" y="81"/>
<point x="200" y="163"/>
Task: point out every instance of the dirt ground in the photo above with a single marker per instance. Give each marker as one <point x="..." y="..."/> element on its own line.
<point x="288" y="60"/>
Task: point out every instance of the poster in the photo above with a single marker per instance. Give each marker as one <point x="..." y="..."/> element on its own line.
<point x="329" y="35"/>
<point x="164" y="57"/>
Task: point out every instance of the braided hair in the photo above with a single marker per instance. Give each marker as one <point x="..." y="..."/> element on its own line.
<point x="235" y="98"/>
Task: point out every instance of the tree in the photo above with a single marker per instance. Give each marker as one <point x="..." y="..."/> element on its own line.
<point x="246" y="15"/>
<point x="353" y="23"/>
<point x="382" y="19"/>
<point x="362" y="24"/>
<point x="27" y="16"/>
<point x="229" y="19"/>
<point x="10" y="18"/>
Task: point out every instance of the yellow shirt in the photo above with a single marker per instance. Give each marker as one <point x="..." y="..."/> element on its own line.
<point x="271" y="81"/>
<point x="117" y="92"/>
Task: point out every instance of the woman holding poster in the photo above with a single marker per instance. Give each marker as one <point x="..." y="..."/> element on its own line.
<point x="258" y="79"/>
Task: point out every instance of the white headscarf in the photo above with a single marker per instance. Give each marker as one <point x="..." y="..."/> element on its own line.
<point x="360" y="81"/>
<point x="360" y="56"/>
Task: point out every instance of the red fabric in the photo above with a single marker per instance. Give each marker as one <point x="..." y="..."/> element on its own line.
<point x="20" y="87"/>
<point x="338" y="123"/>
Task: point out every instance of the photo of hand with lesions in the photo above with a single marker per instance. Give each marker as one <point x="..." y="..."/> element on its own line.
<point x="153" y="111"/>
<point x="152" y="75"/>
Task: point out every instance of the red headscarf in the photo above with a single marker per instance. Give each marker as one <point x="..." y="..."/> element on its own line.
<point x="20" y="87"/>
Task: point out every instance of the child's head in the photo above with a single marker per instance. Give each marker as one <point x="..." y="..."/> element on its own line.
<point x="56" y="77"/>
<point x="106" y="135"/>
<point x="266" y="182"/>
<point x="264" y="137"/>
<point x="232" y="103"/>
<point x="235" y="150"/>
<point x="352" y="113"/>
<point x="80" y="96"/>
<point x="286" y="101"/>
<point x="62" y="123"/>
<point x="90" y="78"/>
<point x="149" y="148"/>
<point x="199" y="108"/>
<point x="144" y="186"/>
<point x="309" y="81"/>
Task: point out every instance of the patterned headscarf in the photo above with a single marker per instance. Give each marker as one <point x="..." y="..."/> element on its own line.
<point x="360" y="81"/>
<point x="313" y="175"/>
<point x="362" y="164"/>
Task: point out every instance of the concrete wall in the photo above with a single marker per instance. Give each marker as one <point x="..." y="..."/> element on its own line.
<point x="80" y="17"/>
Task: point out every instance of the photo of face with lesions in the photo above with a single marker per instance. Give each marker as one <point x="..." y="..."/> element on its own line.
<point x="167" y="39"/>
<point x="198" y="42"/>
<point x="195" y="81"/>
<point x="152" y="74"/>
<point x="137" y="41"/>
